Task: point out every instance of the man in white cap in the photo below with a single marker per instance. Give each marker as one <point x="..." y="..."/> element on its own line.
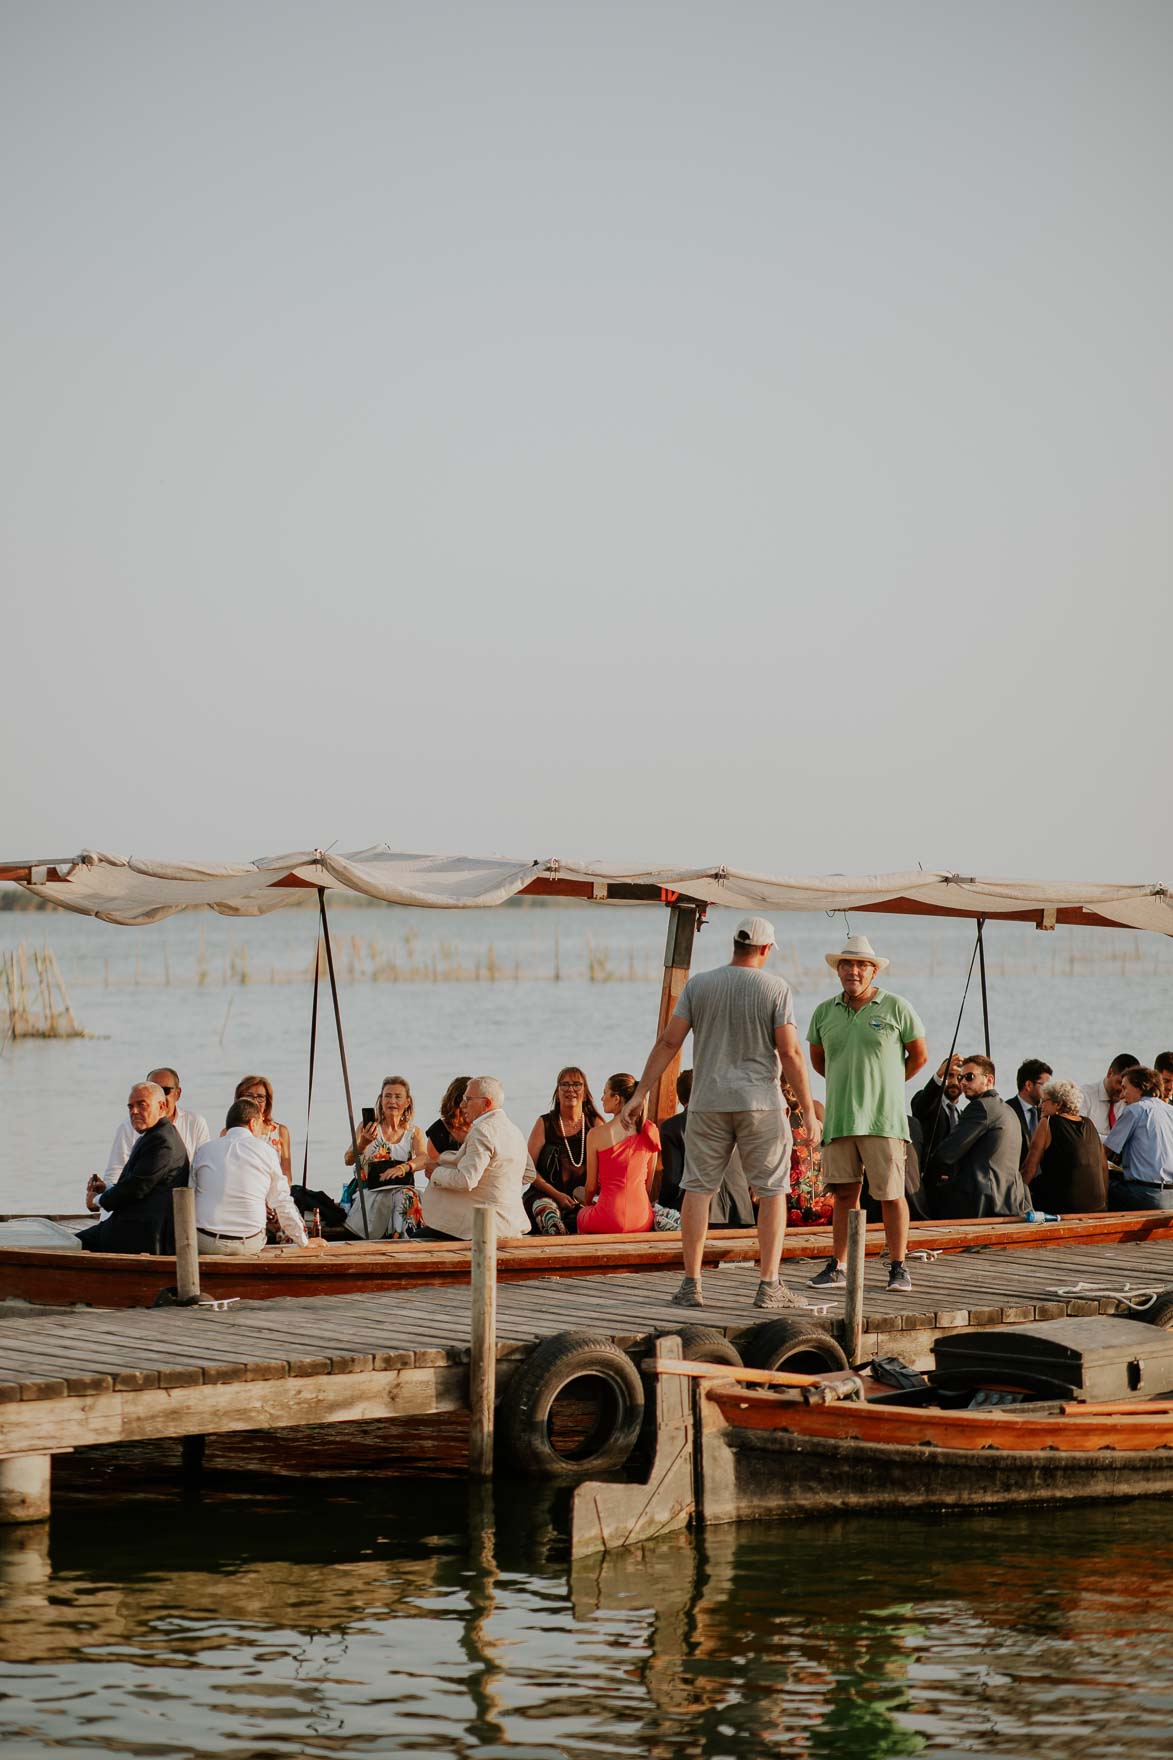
<point x="742" y="1019"/>
<point x="867" y="1043"/>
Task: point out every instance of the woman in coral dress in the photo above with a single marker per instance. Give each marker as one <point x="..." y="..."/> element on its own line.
<point x="620" y="1170"/>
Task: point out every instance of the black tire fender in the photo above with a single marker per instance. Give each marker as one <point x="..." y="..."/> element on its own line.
<point x="798" y="1346"/>
<point x="1161" y="1312"/>
<point x="704" y="1344"/>
<point x="523" y="1415"/>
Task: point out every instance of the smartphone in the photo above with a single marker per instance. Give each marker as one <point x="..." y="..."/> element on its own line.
<point x="368" y="1115"/>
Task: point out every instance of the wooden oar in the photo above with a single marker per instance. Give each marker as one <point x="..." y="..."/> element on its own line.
<point x="751" y="1377"/>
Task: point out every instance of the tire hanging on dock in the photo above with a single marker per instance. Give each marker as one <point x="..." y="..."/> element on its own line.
<point x="798" y="1346"/>
<point x="525" y="1415"/>
<point x="704" y="1344"/>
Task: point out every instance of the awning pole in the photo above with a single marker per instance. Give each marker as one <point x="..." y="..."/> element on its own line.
<point x="931" y="1144"/>
<point x="982" y="971"/>
<point x="309" y="1093"/>
<point x="362" y="1195"/>
<point x="684" y="919"/>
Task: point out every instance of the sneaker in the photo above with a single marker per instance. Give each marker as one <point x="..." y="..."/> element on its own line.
<point x="832" y="1276"/>
<point x="898" y="1277"/>
<point x="775" y="1295"/>
<point x="689" y="1294"/>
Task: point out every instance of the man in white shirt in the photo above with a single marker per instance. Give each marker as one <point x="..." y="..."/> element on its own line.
<point x="236" y="1179"/>
<point x="191" y="1127"/>
<point x="488" y="1170"/>
<point x="1102" y="1101"/>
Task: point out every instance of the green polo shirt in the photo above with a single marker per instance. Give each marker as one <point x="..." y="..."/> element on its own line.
<point x="864" y="1054"/>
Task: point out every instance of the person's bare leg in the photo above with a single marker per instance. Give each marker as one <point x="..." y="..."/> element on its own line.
<point x="694" y="1227"/>
<point x="771" y="1235"/>
<point x="846" y="1200"/>
<point x="895" y="1214"/>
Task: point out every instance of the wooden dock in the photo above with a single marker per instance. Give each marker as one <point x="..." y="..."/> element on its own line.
<point x="73" y="1378"/>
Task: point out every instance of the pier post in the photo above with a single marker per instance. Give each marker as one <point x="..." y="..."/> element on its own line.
<point x="857" y="1224"/>
<point x="682" y="927"/>
<point x="187" y="1256"/>
<point x="482" y="1373"/>
<point x="24" y="1487"/>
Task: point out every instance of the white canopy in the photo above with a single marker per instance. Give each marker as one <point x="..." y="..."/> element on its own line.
<point x="133" y="890"/>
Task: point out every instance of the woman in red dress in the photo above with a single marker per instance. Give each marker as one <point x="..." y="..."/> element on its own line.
<point x="620" y="1169"/>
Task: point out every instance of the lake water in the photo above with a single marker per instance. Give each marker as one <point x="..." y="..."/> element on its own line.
<point x="384" y="1616"/>
<point x="433" y="994"/>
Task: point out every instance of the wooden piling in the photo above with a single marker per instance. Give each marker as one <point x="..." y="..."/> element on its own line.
<point x="187" y="1257"/>
<point x="857" y="1223"/>
<point x="482" y="1374"/>
<point x="682" y="926"/>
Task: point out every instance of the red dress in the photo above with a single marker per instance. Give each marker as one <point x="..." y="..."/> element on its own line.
<point x="623" y="1205"/>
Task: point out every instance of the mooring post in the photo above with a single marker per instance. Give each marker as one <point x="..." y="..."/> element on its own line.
<point x="482" y="1372"/>
<point x="24" y="1487"/>
<point x="683" y="922"/>
<point x="187" y="1253"/>
<point x="857" y="1225"/>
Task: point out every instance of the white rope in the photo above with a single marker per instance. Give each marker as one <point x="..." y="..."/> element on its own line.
<point x="1136" y="1299"/>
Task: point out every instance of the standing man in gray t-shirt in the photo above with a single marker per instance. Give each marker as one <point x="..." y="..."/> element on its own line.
<point x="742" y="1019"/>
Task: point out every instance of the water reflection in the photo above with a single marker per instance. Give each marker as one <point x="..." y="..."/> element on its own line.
<point x="386" y="1616"/>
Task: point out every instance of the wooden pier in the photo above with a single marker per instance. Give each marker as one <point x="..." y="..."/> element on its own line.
<point x="76" y="1378"/>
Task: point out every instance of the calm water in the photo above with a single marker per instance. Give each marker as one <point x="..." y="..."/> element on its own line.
<point x="388" y="1617"/>
<point x="220" y="998"/>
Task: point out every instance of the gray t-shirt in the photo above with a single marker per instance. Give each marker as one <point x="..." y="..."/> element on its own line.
<point x="733" y="1013"/>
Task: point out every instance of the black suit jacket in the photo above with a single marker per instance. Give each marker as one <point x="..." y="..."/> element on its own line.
<point x="981" y="1157"/>
<point x="139" y="1202"/>
<point x="1019" y="1111"/>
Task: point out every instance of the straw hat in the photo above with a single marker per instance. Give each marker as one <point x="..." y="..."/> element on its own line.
<point x="857" y="947"/>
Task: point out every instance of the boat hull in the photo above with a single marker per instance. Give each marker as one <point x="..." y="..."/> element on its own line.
<point x="119" y="1280"/>
<point x="776" y="1473"/>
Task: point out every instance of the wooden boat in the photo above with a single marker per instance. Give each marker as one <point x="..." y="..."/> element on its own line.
<point x="791" y="1449"/>
<point x="119" y="1280"/>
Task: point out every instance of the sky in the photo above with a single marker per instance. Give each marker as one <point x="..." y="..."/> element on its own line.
<point x="679" y="433"/>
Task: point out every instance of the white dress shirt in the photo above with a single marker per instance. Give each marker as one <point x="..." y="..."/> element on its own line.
<point x="236" y="1178"/>
<point x="490" y="1168"/>
<point x="191" y="1127"/>
<point x="1096" y="1104"/>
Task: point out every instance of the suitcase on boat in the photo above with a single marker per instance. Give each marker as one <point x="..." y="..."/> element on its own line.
<point x="1096" y="1358"/>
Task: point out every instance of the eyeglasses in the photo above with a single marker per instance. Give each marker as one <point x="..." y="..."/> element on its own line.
<point x="252" y="1094"/>
<point x="969" y="1076"/>
<point x="573" y="1087"/>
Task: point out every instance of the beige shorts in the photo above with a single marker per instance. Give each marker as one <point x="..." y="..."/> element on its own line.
<point x="847" y="1159"/>
<point x="762" y="1140"/>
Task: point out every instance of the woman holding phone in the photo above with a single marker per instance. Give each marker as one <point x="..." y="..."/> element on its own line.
<point x="390" y="1152"/>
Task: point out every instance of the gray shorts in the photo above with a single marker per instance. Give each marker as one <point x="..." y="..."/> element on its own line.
<point x="762" y="1140"/>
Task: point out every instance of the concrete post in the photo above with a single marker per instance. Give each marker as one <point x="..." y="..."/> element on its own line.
<point x="24" y="1487"/>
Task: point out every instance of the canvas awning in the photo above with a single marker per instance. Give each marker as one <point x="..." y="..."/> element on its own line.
<point x="134" y="890"/>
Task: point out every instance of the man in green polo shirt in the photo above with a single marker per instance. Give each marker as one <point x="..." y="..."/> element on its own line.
<point x="868" y="1044"/>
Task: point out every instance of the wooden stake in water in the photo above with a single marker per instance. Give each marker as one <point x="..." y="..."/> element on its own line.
<point x="482" y="1373"/>
<point x="857" y="1224"/>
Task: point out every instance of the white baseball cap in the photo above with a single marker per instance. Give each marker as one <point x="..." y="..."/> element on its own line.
<point x="755" y="932"/>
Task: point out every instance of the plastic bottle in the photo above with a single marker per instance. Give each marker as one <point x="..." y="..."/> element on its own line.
<point x="1041" y="1216"/>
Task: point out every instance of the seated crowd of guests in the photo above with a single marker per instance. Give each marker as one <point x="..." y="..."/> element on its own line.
<point x="1054" y="1147"/>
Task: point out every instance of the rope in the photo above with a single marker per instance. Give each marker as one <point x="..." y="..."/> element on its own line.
<point x="1136" y="1299"/>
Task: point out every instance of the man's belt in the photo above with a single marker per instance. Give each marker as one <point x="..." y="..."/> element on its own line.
<point x="214" y="1236"/>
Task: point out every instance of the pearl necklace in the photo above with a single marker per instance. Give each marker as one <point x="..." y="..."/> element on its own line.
<point x="581" y="1145"/>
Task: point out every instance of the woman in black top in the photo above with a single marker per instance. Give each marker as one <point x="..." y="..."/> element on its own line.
<point x="557" y="1146"/>
<point x="1065" y="1168"/>
<point x="449" y="1130"/>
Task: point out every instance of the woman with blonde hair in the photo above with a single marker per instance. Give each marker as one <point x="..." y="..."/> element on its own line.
<point x="260" y="1089"/>
<point x="390" y="1152"/>
<point x="621" y="1166"/>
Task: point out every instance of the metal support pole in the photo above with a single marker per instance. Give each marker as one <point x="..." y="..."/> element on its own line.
<point x="358" y="1171"/>
<point x="857" y="1224"/>
<point x="482" y="1372"/>
<point x="982" y="972"/>
<point x="187" y="1253"/>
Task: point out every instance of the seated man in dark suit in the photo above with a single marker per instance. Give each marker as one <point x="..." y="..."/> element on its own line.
<point x="139" y="1202"/>
<point x="1032" y="1078"/>
<point x="979" y="1158"/>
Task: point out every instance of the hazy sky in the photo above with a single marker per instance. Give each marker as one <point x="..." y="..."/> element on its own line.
<point x="704" y="433"/>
